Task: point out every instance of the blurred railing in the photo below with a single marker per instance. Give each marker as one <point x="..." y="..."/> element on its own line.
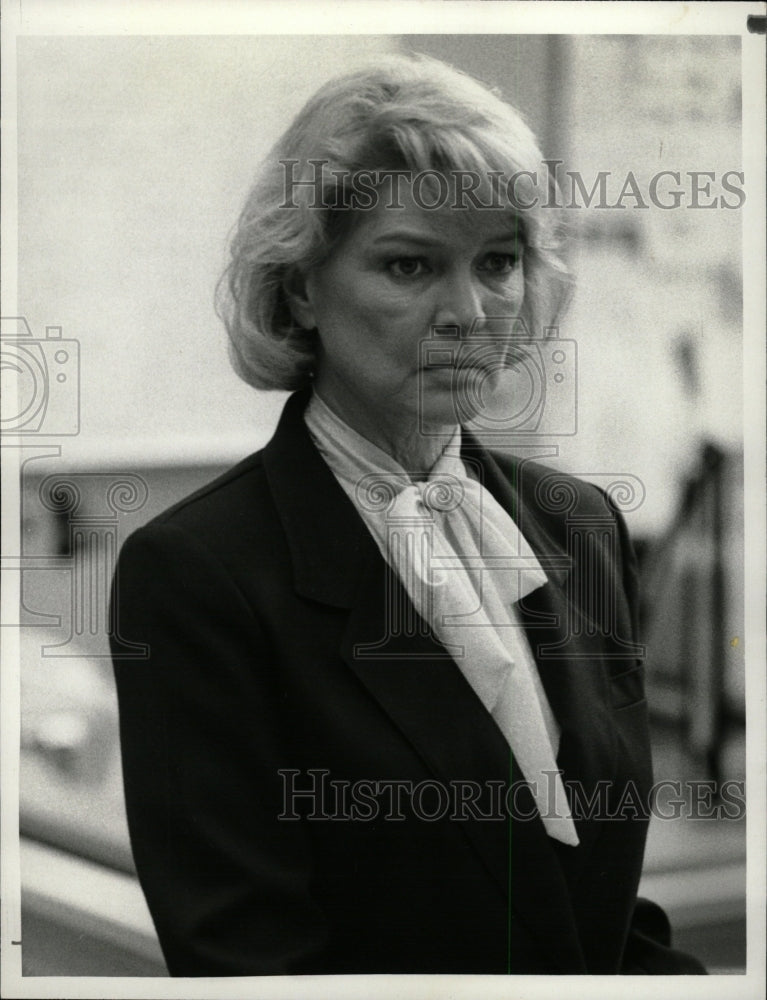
<point x="692" y="610"/>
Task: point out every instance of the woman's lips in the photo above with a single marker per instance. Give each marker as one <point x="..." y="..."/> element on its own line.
<point x="456" y="367"/>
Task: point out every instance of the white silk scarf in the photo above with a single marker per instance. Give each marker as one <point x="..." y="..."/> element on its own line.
<point x="464" y="564"/>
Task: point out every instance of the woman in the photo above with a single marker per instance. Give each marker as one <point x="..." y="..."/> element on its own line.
<point x="381" y="727"/>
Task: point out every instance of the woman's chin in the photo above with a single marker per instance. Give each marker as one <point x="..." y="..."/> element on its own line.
<point x="457" y="402"/>
<point x="436" y="407"/>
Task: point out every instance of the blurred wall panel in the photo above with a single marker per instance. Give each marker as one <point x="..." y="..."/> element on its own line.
<point x="528" y="70"/>
<point x="657" y="307"/>
<point x="135" y="156"/>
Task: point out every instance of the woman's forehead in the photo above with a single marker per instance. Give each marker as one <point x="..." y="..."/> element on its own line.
<point x="408" y="220"/>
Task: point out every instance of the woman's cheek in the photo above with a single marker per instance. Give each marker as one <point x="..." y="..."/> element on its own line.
<point x="399" y="301"/>
<point x="511" y="295"/>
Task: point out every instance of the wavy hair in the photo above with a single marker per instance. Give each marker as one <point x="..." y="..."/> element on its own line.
<point x="403" y="112"/>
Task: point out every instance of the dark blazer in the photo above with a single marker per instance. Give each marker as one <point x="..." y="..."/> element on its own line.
<point x="264" y="602"/>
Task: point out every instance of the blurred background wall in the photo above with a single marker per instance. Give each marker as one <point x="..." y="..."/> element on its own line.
<point x="135" y="155"/>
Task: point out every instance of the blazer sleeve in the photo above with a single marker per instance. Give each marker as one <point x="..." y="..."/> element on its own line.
<point x="648" y="949"/>
<point x="202" y="739"/>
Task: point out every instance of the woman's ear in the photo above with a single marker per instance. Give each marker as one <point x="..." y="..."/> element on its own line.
<point x="295" y="286"/>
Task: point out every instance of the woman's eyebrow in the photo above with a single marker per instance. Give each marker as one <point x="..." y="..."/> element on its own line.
<point x="405" y="236"/>
<point x="515" y="230"/>
<point x="517" y="234"/>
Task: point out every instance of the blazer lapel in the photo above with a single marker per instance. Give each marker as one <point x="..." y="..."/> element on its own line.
<point x="411" y="675"/>
<point x="329" y="543"/>
<point x="576" y="683"/>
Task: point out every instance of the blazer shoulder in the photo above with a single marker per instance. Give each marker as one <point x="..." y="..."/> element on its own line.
<point x="551" y="490"/>
<point x="231" y="516"/>
<point x="243" y="483"/>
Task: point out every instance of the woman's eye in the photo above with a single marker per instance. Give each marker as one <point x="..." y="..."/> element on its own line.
<point x="500" y="263"/>
<point x="407" y="267"/>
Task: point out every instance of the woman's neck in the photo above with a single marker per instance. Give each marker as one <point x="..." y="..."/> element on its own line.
<point x="396" y="433"/>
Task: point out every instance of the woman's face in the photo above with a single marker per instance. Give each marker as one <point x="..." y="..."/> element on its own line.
<point x="380" y="299"/>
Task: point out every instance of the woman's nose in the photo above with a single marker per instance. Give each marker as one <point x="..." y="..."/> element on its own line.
<point x="461" y="302"/>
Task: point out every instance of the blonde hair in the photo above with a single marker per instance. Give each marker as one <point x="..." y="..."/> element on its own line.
<point x="404" y="112"/>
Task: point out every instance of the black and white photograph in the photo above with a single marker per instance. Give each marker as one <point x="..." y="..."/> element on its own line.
<point x="383" y="453"/>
